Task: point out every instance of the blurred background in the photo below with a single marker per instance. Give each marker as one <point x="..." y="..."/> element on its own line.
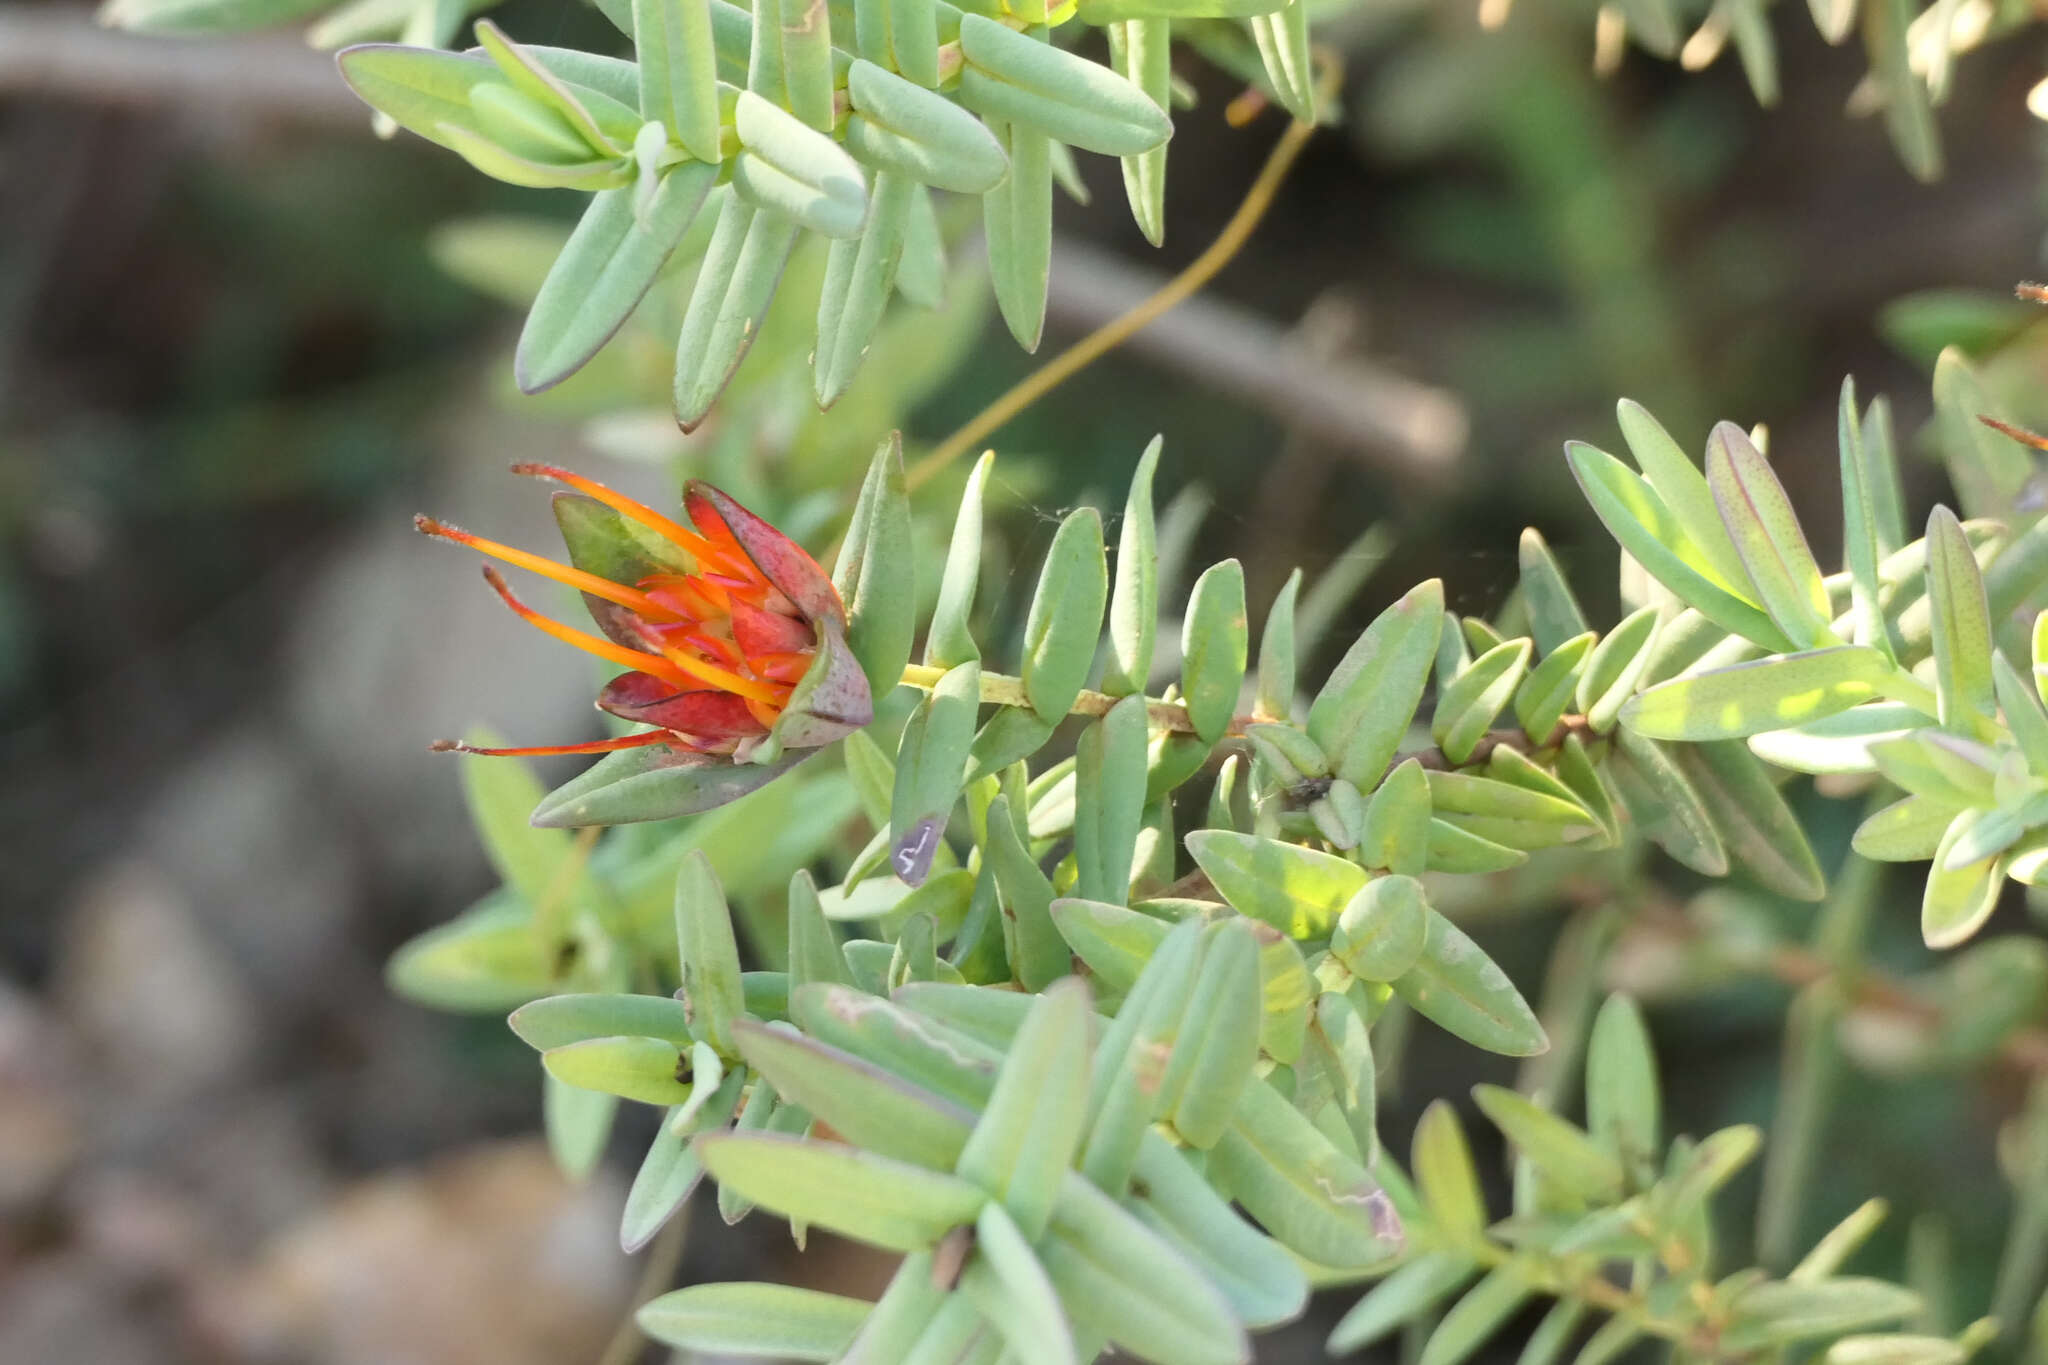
<point x="242" y="340"/>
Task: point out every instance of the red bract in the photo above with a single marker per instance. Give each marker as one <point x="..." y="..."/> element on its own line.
<point x="733" y="637"/>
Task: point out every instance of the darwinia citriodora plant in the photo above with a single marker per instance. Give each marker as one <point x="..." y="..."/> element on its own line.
<point x="1094" y="1041"/>
<point x="1098" y="1096"/>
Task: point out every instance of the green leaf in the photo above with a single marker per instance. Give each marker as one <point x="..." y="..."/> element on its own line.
<point x="1958" y="900"/>
<point x="1962" y="626"/>
<point x="1549" y="689"/>
<point x="1684" y="489"/>
<point x="1761" y="834"/>
<point x="678" y="61"/>
<point x="1141" y="50"/>
<point x="1905" y="831"/>
<point x="1114" y="942"/>
<point x="1860" y="545"/>
<point x="710" y="956"/>
<point x="485" y="961"/>
<point x="1623" y="1109"/>
<point x="539" y="866"/>
<point x="918" y="133"/>
<point x="1402" y="1297"/>
<point x="1217" y="1047"/>
<point x="1024" y="1145"/>
<point x="1908" y="109"/>
<point x="1615" y="667"/>
<point x="1023" y="79"/>
<point x="1768" y="694"/>
<point x="1546" y="1344"/>
<point x="1767" y="537"/>
<point x="669" y="1173"/>
<point x="870" y="1198"/>
<point x="1476" y="1317"/>
<point x="1134" y="603"/>
<point x="1445" y="1176"/>
<point x="1006" y="1282"/>
<point x="909" y="1309"/>
<point x="1342" y="1047"/>
<point x="1462" y="990"/>
<point x="1287" y="990"/>
<point x="1264" y="1284"/>
<point x="790" y="168"/>
<point x="1839" y="743"/>
<point x="1066" y="615"/>
<point x="1895" y="1348"/>
<point x="1659" y="797"/>
<point x="1507" y="813"/>
<point x="1017" y="225"/>
<point x="1468" y="707"/>
<point x="735" y="284"/>
<point x="925" y="1052"/>
<point x="1036" y="950"/>
<point x="650" y="1070"/>
<point x="1297" y="890"/>
<point x="578" y="1124"/>
<point x="949" y="641"/>
<point x="1559" y="1149"/>
<point x="776" y="1321"/>
<point x="877" y="574"/>
<point x="1306" y="1194"/>
<point x="1214" y="643"/>
<point x="604" y="269"/>
<point x="1109" y="795"/>
<point x="1554" y="614"/>
<point x="1275" y="695"/>
<point x="1381" y="933"/>
<point x="2023" y="713"/>
<point x="560" y="1020"/>
<point x="931" y="764"/>
<point x="1395" y="835"/>
<point x="1121" y="1103"/>
<point x="1118" y="1278"/>
<point x="1639" y="519"/>
<point x="867" y="1105"/>
<point x="1282" y="39"/>
<point x="1777" y="1313"/>
<point x="1363" y="710"/>
<point x="860" y="275"/>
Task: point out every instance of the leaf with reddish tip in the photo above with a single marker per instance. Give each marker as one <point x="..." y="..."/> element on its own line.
<point x="785" y="563"/>
<point x="832" y="699"/>
<point x="658" y="782"/>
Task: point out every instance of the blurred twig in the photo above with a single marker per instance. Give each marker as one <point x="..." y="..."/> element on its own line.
<point x="57" y="51"/>
<point x="1330" y="396"/>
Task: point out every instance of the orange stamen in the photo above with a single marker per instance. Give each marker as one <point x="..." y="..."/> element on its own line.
<point x="595" y="746"/>
<point x="684" y="596"/>
<point x="637" y="659"/>
<point x="766" y="715"/>
<point x="725" y="680"/>
<point x="631" y="598"/>
<point x="666" y="527"/>
<point x="2020" y="434"/>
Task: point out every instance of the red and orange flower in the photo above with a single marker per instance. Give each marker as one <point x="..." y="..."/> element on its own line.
<point x="734" y="642"/>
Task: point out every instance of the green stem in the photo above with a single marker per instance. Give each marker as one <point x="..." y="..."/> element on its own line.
<point x="1000" y="689"/>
